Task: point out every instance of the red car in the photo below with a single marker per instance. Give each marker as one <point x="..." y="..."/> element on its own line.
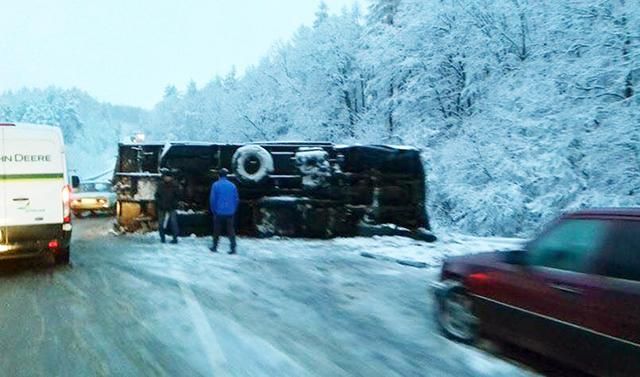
<point x="572" y="294"/>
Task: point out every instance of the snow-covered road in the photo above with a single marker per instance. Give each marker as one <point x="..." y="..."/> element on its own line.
<point x="131" y="306"/>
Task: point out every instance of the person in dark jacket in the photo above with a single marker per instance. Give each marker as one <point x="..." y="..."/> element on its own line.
<point x="166" y="206"/>
<point x="223" y="202"/>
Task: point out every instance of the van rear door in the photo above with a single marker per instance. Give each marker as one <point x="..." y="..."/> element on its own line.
<point x="3" y="205"/>
<point x="33" y="176"/>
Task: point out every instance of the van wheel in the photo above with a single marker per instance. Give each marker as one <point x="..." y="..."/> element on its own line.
<point x="455" y="315"/>
<point x="63" y="257"/>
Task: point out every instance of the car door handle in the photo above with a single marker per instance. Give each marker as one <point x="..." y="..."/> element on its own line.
<point x="567" y="289"/>
<point x="20" y="199"/>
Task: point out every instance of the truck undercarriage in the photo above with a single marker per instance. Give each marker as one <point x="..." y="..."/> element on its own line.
<point x="291" y="189"/>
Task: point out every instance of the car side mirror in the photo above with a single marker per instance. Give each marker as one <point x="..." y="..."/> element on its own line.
<point x="516" y="257"/>
<point x="75" y="181"/>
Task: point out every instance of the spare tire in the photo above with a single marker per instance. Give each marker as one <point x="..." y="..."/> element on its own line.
<point x="252" y="163"/>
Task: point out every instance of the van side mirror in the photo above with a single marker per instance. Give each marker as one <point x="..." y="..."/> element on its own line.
<point x="516" y="257"/>
<point x="75" y="181"/>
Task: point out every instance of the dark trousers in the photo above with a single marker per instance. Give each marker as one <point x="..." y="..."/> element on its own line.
<point x="170" y="224"/>
<point x="227" y="222"/>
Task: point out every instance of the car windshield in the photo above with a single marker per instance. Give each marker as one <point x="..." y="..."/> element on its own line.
<point x="94" y="187"/>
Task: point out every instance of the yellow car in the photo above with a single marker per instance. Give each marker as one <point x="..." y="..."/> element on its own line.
<point x="93" y="197"/>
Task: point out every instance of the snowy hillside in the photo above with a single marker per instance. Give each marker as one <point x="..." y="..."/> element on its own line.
<point x="91" y="129"/>
<point x="523" y="108"/>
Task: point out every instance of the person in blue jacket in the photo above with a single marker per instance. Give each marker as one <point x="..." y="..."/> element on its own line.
<point x="223" y="202"/>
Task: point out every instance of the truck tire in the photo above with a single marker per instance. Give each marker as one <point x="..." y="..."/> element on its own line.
<point x="252" y="164"/>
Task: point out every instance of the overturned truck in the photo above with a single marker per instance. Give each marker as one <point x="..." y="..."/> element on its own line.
<point x="292" y="189"/>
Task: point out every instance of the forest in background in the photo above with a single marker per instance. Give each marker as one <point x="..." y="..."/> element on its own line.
<point x="522" y="108"/>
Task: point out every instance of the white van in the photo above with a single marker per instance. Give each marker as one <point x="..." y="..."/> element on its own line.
<point x="35" y="217"/>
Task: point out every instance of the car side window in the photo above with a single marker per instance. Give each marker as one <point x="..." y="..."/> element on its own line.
<point x="570" y="245"/>
<point x="621" y="259"/>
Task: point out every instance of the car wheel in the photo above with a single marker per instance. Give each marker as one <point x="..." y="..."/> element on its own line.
<point x="62" y="257"/>
<point x="455" y="315"/>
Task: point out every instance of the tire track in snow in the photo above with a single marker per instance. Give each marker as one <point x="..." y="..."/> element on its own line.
<point x="213" y="351"/>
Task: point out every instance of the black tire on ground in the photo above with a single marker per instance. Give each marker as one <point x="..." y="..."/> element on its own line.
<point x="62" y="257"/>
<point x="371" y="230"/>
<point x="454" y="315"/>
<point x="425" y="235"/>
<point x="77" y="214"/>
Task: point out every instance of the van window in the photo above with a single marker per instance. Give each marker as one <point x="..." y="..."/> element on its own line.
<point x="570" y="245"/>
<point x="622" y="257"/>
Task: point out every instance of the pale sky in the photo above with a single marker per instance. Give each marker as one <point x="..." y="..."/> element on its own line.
<point x="127" y="51"/>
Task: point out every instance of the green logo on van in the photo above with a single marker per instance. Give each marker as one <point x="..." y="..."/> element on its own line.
<point x="19" y="157"/>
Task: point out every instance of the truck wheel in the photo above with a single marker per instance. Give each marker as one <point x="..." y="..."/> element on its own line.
<point x="455" y="315"/>
<point x="62" y="257"/>
<point x="252" y="163"/>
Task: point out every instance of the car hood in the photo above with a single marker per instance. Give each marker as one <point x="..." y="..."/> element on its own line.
<point x="91" y="195"/>
<point x="480" y="258"/>
<point x="468" y="264"/>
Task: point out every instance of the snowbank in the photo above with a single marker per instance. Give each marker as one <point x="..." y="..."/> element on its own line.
<point x="392" y="249"/>
<point x="427" y="254"/>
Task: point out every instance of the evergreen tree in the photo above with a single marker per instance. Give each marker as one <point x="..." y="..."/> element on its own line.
<point x="321" y="14"/>
<point x="383" y="11"/>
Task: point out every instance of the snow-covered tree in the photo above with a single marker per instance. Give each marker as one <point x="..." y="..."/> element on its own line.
<point x="91" y="129"/>
<point x="523" y="108"/>
<point x="321" y="14"/>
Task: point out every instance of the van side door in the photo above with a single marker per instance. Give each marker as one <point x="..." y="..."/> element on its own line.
<point x="3" y="199"/>
<point x="34" y="177"/>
